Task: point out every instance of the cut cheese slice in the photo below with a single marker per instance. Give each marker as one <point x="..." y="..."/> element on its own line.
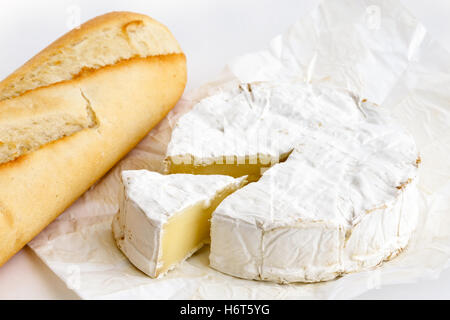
<point x="163" y="219"/>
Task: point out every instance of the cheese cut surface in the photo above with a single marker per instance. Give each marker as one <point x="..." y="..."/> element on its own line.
<point x="344" y="199"/>
<point x="163" y="219"/>
<point x="251" y="166"/>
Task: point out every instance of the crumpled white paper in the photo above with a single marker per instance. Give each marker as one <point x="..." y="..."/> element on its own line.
<point x="374" y="48"/>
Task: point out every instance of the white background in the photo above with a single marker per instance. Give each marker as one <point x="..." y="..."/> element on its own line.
<point x="211" y="33"/>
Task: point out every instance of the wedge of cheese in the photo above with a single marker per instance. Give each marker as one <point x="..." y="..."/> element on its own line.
<point x="164" y="219"/>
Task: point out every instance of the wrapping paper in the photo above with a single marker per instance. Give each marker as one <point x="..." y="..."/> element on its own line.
<point x="376" y="49"/>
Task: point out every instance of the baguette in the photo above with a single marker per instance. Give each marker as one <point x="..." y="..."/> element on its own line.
<point x="74" y="110"/>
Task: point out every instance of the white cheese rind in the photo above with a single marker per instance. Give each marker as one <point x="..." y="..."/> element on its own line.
<point x="312" y="251"/>
<point x="148" y="200"/>
<point x="262" y="118"/>
<point x="344" y="200"/>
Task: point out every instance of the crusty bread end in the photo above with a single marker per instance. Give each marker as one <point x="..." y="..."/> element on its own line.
<point x="73" y="111"/>
<point x="28" y="122"/>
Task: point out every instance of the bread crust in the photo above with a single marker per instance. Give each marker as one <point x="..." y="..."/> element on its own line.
<point x="168" y="43"/>
<point x="127" y="98"/>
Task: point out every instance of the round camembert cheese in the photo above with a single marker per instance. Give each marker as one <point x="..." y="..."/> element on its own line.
<point x="335" y="188"/>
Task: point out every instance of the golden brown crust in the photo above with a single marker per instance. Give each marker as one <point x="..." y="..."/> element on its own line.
<point x="129" y="99"/>
<point x="109" y="20"/>
<point x="138" y="78"/>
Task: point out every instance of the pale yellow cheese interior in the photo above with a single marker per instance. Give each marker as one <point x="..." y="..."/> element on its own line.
<point x="252" y="166"/>
<point x="188" y="230"/>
